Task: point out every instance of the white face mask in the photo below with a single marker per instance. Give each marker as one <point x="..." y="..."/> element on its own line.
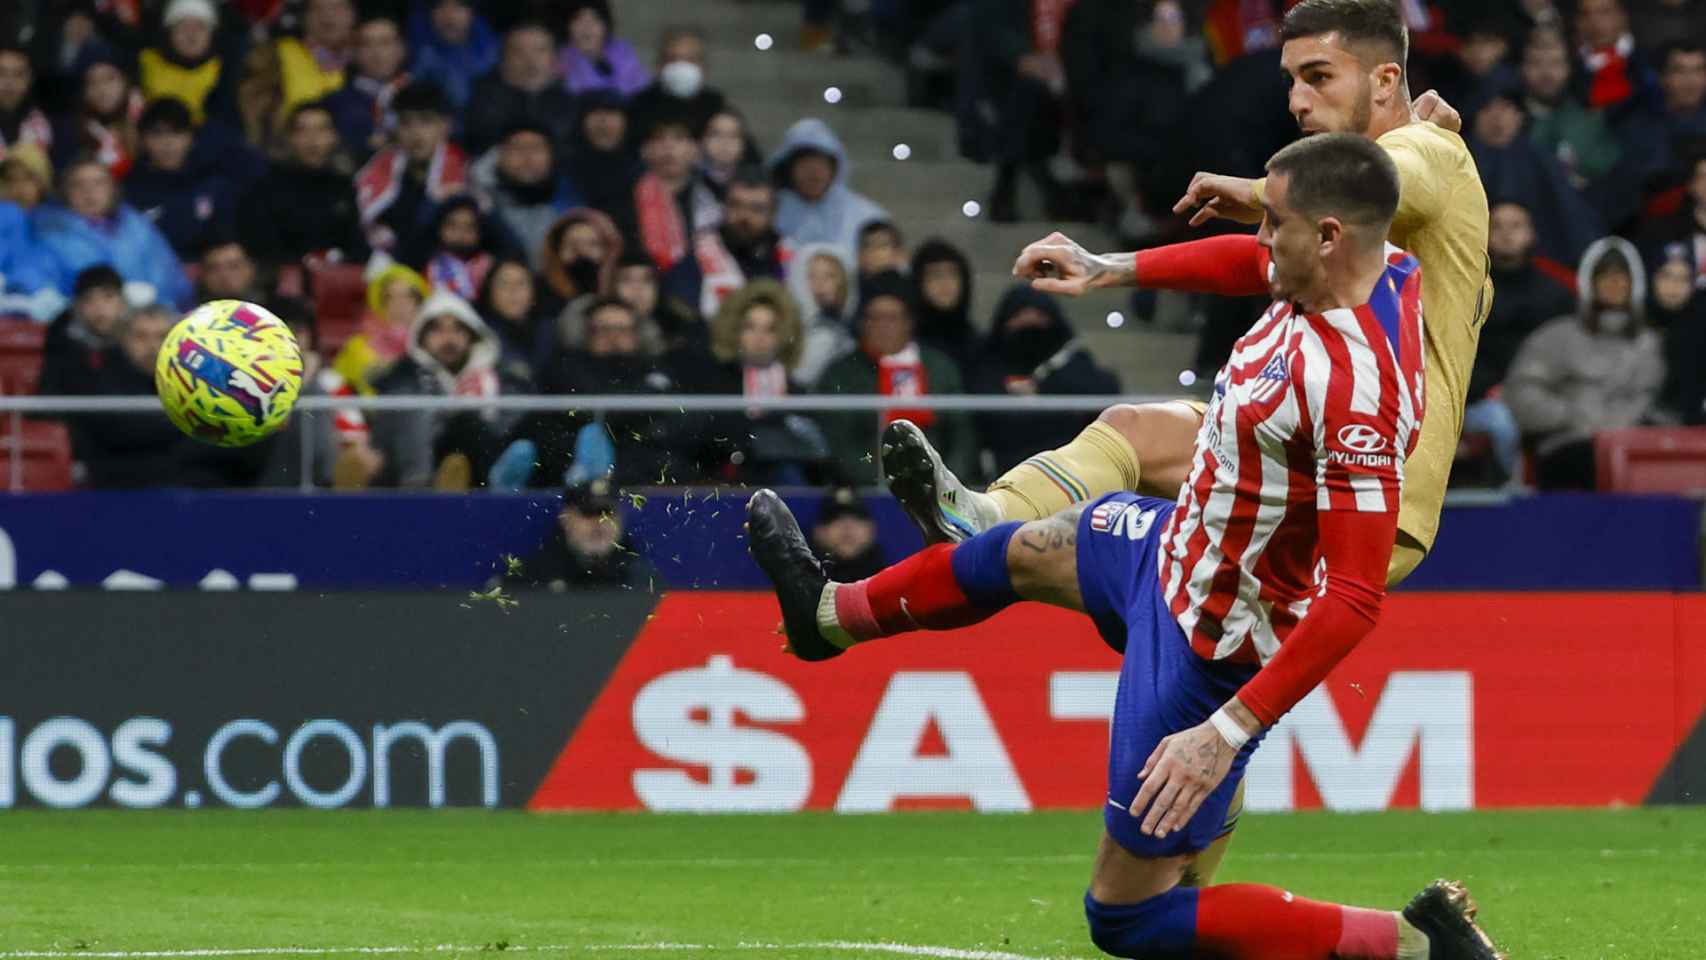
<point x="682" y="78"/>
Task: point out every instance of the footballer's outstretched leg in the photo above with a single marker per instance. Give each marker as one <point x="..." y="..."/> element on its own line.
<point x="939" y="588"/>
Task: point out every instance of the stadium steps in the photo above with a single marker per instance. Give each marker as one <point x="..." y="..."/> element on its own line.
<point x="926" y="192"/>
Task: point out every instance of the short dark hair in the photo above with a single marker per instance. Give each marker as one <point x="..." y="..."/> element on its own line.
<point x="875" y="227"/>
<point x="668" y="120"/>
<point x="421" y="96"/>
<point x="605" y="302"/>
<point x="1340" y="175"/>
<point x="637" y="258"/>
<point x="1366" y="22"/>
<point x="101" y="276"/>
<point x="527" y="125"/>
<point x="312" y="106"/>
<point x="1685" y="46"/>
<point x="165" y="113"/>
<point x="749" y="177"/>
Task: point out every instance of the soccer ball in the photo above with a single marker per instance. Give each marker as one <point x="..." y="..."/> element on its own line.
<point x="228" y="373"/>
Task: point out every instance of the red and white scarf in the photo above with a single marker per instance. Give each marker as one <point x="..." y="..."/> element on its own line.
<point x="1608" y="69"/>
<point x="721" y="271"/>
<point x="663" y="230"/>
<point x="35" y="129"/>
<point x="378" y="183"/>
<point x="901" y="374"/>
<point x="384" y="121"/>
<point x="459" y="276"/>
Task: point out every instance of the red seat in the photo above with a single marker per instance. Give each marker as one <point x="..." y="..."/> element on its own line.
<point x="44" y="450"/>
<point x="20" y="355"/>
<point x="1652" y="460"/>
<point x="340" y="301"/>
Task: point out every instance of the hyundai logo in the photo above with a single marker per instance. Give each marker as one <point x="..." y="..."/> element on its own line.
<point x="1358" y="438"/>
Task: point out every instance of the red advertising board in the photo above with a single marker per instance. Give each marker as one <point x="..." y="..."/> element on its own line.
<point x="1456" y="701"/>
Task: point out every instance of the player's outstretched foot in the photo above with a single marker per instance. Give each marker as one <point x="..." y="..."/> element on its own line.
<point x="942" y="507"/>
<point x="774" y="537"/>
<point x="1445" y="912"/>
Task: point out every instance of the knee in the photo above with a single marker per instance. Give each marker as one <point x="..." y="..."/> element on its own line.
<point x="1128" y="419"/>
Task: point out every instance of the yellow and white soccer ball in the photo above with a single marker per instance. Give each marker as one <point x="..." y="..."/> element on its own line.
<point x="228" y="373"/>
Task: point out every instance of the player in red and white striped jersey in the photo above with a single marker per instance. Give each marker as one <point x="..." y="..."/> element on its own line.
<point x="1228" y="605"/>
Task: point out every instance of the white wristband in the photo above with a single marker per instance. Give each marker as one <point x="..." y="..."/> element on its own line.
<point x="1231" y="730"/>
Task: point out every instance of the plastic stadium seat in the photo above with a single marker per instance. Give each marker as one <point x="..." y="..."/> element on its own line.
<point x="45" y="457"/>
<point x="1652" y="460"/>
<point x="340" y="300"/>
<point x="21" y="341"/>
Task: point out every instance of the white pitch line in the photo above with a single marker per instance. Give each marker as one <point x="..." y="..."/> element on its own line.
<point x="837" y="946"/>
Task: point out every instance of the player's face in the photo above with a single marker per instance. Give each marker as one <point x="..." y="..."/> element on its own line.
<point x="1331" y="90"/>
<point x="1294" y="243"/>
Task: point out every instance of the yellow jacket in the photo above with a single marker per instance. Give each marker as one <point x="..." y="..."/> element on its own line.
<point x="163" y="78"/>
<point x="303" y="80"/>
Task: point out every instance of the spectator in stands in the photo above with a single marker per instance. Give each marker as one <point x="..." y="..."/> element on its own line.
<point x="228" y="273"/>
<point x="1010" y="69"/>
<point x="1030" y="351"/>
<point x="669" y="204"/>
<point x="94" y="227"/>
<point x="21" y="120"/>
<point x="580" y="254"/>
<point x="588" y="549"/>
<point x="508" y="303"/>
<point x="312" y="68"/>
<point x="126" y="450"/>
<point x="399" y="190"/>
<point x="78" y="339"/>
<point x="453" y="46"/>
<point x="890" y="362"/>
<point x="1659" y="136"/>
<point x="1480" y="65"/>
<point x="103" y="124"/>
<point x="679" y="90"/>
<point x="1597" y="369"/>
<point x="816" y="204"/>
<point x="725" y="149"/>
<point x="1528" y="292"/>
<point x="1557" y="122"/>
<point x="601" y="165"/>
<point x="941" y="289"/>
<point x="686" y="335"/>
<point x="1678" y="309"/>
<point x="605" y="348"/>
<point x="28" y="277"/>
<point x="1129" y="82"/>
<point x="26" y="175"/>
<point x="756" y="338"/>
<point x="820" y="277"/>
<point x="188" y="66"/>
<point x="881" y="249"/>
<point x="522" y="188"/>
<point x="394" y="298"/>
<point x="1687" y="226"/>
<point x="362" y="107"/>
<point x="844" y="537"/>
<point x="524" y="91"/>
<point x="1513" y="167"/>
<point x="595" y="58"/>
<point x="744" y="246"/>
<point x="303" y="205"/>
<point x="1617" y="74"/>
<point x="459" y="249"/>
<point x="180" y="183"/>
<point x="451" y="353"/>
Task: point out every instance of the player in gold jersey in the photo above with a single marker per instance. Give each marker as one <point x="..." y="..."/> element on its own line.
<point x="1344" y="62"/>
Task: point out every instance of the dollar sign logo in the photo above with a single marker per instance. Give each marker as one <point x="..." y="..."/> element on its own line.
<point x="688" y="716"/>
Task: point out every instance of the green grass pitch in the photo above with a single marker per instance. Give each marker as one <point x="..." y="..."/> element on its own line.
<point x="1570" y="884"/>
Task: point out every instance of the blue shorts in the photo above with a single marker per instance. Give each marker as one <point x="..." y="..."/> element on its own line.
<point x="1164" y="686"/>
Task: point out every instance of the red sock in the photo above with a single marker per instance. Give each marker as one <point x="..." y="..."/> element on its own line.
<point x="1246" y="921"/>
<point x="918" y="593"/>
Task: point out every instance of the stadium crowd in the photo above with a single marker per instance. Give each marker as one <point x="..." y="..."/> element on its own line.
<point x="512" y="198"/>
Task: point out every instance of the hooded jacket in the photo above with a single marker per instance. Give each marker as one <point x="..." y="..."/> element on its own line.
<point x="126" y="239"/>
<point x="1052" y="357"/>
<point x="836" y="216"/>
<point x="1568" y="382"/>
<point x="950" y="330"/>
<point x="407" y="438"/>
<point x="825" y="338"/>
<point x="453" y="66"/>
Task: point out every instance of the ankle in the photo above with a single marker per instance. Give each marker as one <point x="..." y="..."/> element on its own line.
<point x="844" y="614"/>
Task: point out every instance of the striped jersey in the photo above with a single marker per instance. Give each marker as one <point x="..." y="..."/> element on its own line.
<point x="1313" y="412"/>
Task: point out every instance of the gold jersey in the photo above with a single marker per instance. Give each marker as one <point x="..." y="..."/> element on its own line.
<point x="1442" y="219"/>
